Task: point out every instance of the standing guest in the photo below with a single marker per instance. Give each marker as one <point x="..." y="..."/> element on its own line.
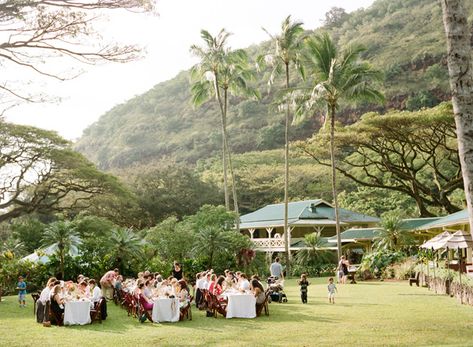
<point x="332" y="288"/>
<point x="303" y="283"/>
<point x="21" y="287"/>
<point x="342" y="270"/>
<point x="276" y="269"/>
<point x="177" y="271"/>
<point x="199" y="279"/>
<point x="107" y="282"/>
<point x="41" y="314"/>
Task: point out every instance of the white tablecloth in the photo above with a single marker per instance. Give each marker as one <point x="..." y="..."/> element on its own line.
<point x="241" y="306"/>
<point x="165" y="310"/>
<point x="77" y="313"/>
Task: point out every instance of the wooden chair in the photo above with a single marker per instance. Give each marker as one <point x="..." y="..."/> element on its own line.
<point x="186" y="311"/>
<point x="414" y="279"/>
<point x="35" y="297"/>
<point x="56" y="317"/>
<point x="96" y="312"/>
<point x="264" y="305"/>
<point x="217" y="306"/>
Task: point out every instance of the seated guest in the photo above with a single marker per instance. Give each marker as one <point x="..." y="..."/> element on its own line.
<point x="258" y="291"/>
<point x="144" y="301"/>
<point x="243" y="283"/>
<point x="183" y="294"/>
<point x="218" y="290"/>
<point x="206" y="280"/>
<point x="83" y="289"/>
<point x="57" y="302"/>
<point x="96" y="293"/>
<point x="213" y="281"/>
<point x="229" y="280"/>
<point x="148" y="289"/>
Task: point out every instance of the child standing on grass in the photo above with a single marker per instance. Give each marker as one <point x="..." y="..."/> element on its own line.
<point x="332" y="288"/>
<point x="304" y="284"/>
<point x="21" y="286"/>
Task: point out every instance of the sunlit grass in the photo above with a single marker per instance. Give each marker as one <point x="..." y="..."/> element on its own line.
<point x="373" y="313"/>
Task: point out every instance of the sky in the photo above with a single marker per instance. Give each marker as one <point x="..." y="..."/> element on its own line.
<point x="166" y="39"/>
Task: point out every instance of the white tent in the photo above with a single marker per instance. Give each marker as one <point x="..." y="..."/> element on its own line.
<point x="41" y="256"/>
<point x="437" y="241"/>
<point x="460" y="240"/>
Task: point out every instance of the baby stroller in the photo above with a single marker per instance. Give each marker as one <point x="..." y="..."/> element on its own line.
<point x="276" y="290"/>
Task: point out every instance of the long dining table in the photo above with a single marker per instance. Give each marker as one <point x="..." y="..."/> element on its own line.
<point x="165" y="310"/>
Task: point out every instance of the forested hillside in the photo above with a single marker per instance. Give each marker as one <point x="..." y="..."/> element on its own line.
<point x="404" y="39"/>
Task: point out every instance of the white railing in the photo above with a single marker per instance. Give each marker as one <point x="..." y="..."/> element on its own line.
<point x="268" y="243"/>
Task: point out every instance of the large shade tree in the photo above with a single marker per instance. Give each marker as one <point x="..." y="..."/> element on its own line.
<point x="337" y="75"/>
<point x="460" y="71"/>
<point x="33" y="30"/>
<point x="221" y="71"/>
<point x="286" y="50"/>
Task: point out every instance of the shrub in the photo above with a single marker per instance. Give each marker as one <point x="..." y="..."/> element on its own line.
<point x="377" y="261"/>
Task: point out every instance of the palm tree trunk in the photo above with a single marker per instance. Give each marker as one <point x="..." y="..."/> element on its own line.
<point x="62" y="263"/>
<point x="224" y="141"/>
<point x="461" y="84"/>
<point x="235" y="198"/>
<point x="334" y="177"/>
<point x="286" y="179"/>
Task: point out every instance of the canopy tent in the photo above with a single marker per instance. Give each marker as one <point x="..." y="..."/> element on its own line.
<point x="460" y="240"/>
<point x="436" y="242"/>
<point x="41" y="256"/>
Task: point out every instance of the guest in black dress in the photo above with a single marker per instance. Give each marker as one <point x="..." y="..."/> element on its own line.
<point x="57" y="304"/>
<point x="177" y="271"/>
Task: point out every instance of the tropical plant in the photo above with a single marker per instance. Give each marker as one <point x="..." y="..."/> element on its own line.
<point x="391" y="236"/>
<point x="337" y="76"/>
<point x="220" y="71"/>
<point x="208" y="242"/>
<point x="124" y="245"/>
<point x="314" y="253"/>
<point x="63" y="236"/>
<point x="286" y="51"/>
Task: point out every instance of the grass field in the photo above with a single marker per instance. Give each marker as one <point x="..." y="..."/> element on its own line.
<point x="365" y="314"/>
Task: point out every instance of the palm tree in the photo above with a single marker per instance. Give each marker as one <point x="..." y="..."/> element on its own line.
<point x="209" y="242"/>
<point x="460" y="63"/>
<point x="392" y="237"/>
<point x="220" y="72"/>
<point x="337" y="75"/>
<point x="63" y="235"/>
<point x="286" y="51"/>
<point x="313" y="254"/>
<point x="124" y="244"/>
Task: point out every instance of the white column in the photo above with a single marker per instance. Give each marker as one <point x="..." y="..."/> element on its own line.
<point x="252" y="231"/>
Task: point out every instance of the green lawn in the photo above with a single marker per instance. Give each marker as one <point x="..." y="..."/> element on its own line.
<point x="370" y="313"/>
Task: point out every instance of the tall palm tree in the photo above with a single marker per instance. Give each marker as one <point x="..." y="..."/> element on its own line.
<point x="457" y="29"/>
<point x="63" y="235"/>
<point x="337" y="75"/>
<point x="286" y="51"/>
<point x="124" y="244"/>
<point x="219" y="72"/>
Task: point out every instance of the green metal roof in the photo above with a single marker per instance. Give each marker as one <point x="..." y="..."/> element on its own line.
<point x="324" y="243"/>
<point x="357" y="234"/>
<point x="460" y="217"/>
<point x="417" y="223"/>
<point x="300" y="211"/>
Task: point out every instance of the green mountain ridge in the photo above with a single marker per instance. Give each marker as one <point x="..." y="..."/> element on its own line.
<point x="404" y="39"/>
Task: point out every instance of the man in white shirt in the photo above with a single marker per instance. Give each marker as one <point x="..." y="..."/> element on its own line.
<point x="43" y="298"/>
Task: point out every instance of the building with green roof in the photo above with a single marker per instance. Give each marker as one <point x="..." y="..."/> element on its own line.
<point x="266" y="225"/>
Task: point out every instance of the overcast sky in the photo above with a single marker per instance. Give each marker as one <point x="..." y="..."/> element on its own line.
<point x="166" y="39"/>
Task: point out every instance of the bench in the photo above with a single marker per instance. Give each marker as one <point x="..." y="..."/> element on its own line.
<point x="414" y="279"/>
